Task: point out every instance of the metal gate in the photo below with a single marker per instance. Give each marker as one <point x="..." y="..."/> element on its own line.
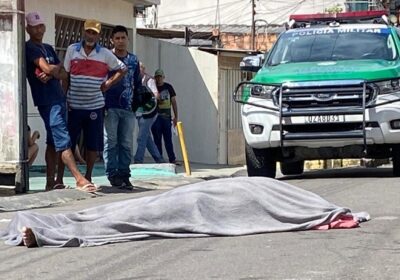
<point x="68" y="31"/>
<point x="235" y="140"/>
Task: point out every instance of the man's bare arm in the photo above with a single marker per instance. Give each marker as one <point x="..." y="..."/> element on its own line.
<point x="48" y="69"/>
<point x="32" y="138"/>
<point x="113" y="79"/>
<point x="175" y="109"/>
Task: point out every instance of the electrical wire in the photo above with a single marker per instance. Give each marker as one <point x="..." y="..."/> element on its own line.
<point x="235" y="12"/>
<point x="287" y="13"/>
<point x="267" y="7"/>
<point x="233" y="17"/>
<point x="208" y="8"/>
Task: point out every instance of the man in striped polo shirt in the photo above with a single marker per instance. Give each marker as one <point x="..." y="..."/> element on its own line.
<point x="88" y="65"/>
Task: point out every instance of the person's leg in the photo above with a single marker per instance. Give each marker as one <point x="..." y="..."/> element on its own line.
<point x="90" y="161"/>
<point x="69" y="160"/>
<point x="50" y="154"/>
<point x="151" y="147"/>
<point x="32" y="153"/>
<point x="157" y="133"/>
<point x="51" y="160"/>
<point x="78" y="157"/>
<point x="63" y="144"/>
<point x="167" y="135"/>
<point x="143" y="134"/>
<point x="125" y="136"/>
<point x="93" y="134"/>
<point x="153" y="150"/>
<point x="60" y="170"/>
<point x="111" y="123"/>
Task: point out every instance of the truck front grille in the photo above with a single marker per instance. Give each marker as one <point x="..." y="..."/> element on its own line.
<point x="324" y="95"/>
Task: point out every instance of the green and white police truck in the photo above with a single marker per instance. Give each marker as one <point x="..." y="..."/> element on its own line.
<point x="328" y="89"/>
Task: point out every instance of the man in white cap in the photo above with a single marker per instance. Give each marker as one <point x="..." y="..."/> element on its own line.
<point x="88" y="65"/>
<point x="44" y="70"/>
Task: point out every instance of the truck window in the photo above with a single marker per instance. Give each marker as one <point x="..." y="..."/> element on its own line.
<point x="332" y="45"/>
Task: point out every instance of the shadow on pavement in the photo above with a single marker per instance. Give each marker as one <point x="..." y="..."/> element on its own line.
<point x="353" y="172"/>
<point x="111" y="189"/>
<point x="349" y="172"/>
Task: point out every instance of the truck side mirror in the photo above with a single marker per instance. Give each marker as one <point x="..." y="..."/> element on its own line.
<point x="251" y="63"/>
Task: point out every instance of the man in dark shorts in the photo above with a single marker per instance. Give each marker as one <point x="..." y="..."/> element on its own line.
<point x="43" y="73"/>
<point x="88" y="65"/>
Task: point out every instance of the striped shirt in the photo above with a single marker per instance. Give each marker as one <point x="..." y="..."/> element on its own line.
<point x="87" y="73"/>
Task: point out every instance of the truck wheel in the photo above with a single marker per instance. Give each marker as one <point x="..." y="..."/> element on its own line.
<point x="260" y="162"/>
<point x="292" y="168"/>
<point x="396" y="161"/>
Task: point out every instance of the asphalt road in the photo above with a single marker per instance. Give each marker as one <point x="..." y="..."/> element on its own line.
<point x="371" y="251"/>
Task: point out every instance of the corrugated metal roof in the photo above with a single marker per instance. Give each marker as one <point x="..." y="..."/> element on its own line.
<point x="192" y="43"/>
<point x="237" y="29"/>
<point x="144" y="2"/>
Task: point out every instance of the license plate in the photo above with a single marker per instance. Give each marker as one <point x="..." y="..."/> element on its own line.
<point x="324" y="119"/>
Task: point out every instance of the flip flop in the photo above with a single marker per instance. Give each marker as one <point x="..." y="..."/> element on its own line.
<point x="87" y="188"/>
<point x="59" y="187"/>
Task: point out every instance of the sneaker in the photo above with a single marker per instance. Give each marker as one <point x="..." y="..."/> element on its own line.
<point x="126" y="184"/>
<point x="116" y="181"/>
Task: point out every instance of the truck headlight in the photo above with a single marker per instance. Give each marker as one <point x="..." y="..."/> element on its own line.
<point x="262" y="91"/>
<point x="388" y="86"/>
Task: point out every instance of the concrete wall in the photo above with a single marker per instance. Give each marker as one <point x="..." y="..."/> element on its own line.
<point x="109" y="12"/>
<point x="194" y="75"/>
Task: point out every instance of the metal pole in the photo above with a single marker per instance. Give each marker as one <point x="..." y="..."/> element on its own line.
<point x="253" y="24"/>
<point x="183" y="148"/>
<point x="22" y="179"/>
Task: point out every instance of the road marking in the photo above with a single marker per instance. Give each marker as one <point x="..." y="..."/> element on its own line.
<point x="5" y="220"/>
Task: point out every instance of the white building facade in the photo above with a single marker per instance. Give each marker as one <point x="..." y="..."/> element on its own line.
<point x="110" y="13"/>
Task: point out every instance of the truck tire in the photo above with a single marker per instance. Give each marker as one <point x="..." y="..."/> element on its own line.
<point x="396" y="161"/>
<point x="260" y="162"/>
<point x="292" y="168"/>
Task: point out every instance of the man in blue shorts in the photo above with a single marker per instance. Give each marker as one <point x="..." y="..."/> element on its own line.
<point x="44" y="72"/>
<point x="119" y="118"/>
<point x="88" y="65"/>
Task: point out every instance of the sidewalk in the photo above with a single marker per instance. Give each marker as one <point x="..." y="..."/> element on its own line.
<point x="145" y="177"/>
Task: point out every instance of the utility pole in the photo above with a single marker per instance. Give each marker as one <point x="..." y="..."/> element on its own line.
<point x="187" y="36"/>
<point x="14" y="168"/>
<point x="253" y="25"/>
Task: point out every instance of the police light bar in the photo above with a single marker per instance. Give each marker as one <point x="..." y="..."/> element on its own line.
<point x="323" y="17"/>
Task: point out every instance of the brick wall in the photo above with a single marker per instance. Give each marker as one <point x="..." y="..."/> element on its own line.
<point x="243" y="41"/>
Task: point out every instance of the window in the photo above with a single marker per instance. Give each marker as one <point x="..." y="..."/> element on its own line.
<point x="68" y="31"/>
<point x="307" y="45"/>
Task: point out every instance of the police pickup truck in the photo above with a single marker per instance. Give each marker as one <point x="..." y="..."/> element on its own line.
<point x="328" y="89"/>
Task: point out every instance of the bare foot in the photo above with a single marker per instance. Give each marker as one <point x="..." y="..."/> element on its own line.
<point x="90" y="188"/>
<point x="82" y="182"/>
<point x="28" y="238"/>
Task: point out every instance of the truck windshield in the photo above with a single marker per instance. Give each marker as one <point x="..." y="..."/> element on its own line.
<point x="329" y="44"/>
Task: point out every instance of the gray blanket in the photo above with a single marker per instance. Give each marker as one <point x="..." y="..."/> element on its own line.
<point x="223" y="207"/>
